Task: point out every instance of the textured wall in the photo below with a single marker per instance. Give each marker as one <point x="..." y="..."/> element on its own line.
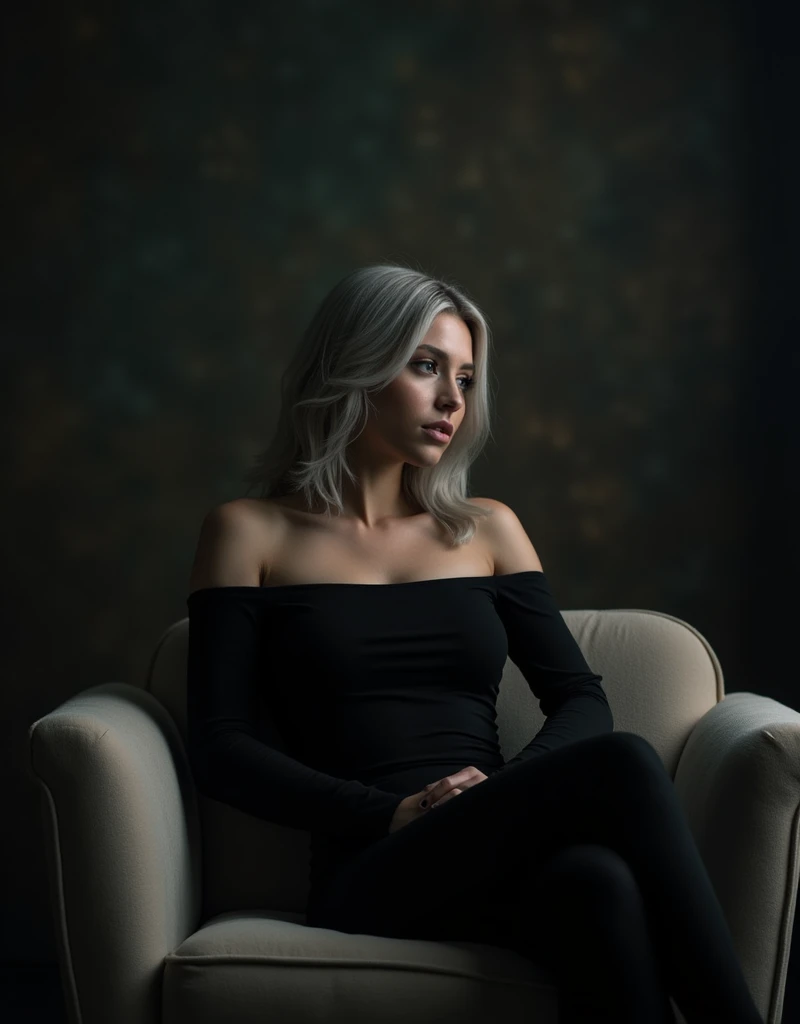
<point x="187" y="180"/>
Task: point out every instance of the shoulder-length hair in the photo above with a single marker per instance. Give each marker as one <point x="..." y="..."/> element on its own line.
<point x="360" y="338"/>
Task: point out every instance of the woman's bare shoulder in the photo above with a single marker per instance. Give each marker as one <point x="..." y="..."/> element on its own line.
<point x="236" y="538"/>
<point x="490" y="503"/>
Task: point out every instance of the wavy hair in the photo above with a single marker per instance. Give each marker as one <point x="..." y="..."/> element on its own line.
<point x="362" y="335"/>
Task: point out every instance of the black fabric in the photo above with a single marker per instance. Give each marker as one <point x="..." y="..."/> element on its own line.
<point x="376" y="691"/>
<point x="575" y="853"/>
<point x="580" y="859"/>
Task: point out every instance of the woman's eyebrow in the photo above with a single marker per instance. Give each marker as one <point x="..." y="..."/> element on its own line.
<point x="443" y="355"/>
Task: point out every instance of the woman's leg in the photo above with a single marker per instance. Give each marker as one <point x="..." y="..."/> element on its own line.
<point x="611" y="791"/>
<point x="595" y="939"/>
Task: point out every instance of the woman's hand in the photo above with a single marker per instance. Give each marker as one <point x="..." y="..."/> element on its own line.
<point x="418" y="804"/>
<point x="437" y="793"/>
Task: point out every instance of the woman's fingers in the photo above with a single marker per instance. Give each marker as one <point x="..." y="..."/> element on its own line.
<point x="436" y="792"/>
<point x="446" y="797"/>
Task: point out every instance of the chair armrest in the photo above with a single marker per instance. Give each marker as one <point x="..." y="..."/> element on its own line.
<point x="122" y="840"/>
<point x="738" y="780"/>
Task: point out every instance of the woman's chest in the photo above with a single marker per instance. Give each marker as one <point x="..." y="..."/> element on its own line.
<point x="316" y="552"/>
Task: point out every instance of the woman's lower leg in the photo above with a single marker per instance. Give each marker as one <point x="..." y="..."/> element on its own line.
<point x="590" y="912"/>
<point x="690" y="934"/>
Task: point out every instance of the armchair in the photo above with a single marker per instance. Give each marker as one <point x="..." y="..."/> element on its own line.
<point x="172" y="907"/>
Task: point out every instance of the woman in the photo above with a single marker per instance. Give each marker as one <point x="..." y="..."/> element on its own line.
<point x="378" y="633"/>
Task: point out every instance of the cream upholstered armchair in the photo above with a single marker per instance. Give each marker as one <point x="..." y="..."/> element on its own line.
<point x="172" y="907"/>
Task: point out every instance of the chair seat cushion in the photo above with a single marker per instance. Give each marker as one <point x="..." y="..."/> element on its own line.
<point x="256" y="965"/>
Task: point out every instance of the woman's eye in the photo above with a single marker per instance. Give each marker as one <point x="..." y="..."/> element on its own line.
<point x="469" y="381"/>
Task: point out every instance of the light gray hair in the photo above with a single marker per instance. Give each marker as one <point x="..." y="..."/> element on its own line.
<point x="360" y="338"/>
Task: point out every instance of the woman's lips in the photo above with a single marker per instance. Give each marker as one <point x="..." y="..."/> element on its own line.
<point x="437" y="435"/>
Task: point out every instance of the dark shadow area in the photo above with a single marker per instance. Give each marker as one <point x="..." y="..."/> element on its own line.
<point x="32" y="995"/>
<point x="770" y="426"/>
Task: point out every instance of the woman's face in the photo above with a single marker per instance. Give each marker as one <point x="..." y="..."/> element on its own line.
<point x="431" y="387"/>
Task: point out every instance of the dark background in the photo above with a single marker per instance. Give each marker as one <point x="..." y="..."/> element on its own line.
<point x="612" y="182"/>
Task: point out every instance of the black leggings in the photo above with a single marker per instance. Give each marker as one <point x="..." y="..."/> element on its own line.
<point x="580" y="858"/>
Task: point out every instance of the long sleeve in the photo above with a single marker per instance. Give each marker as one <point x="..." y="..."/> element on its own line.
<point x="228" y="661"/>
<point x="542" y="647"/>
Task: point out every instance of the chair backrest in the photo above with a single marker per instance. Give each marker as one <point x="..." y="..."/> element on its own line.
<point x="659" y="673"/>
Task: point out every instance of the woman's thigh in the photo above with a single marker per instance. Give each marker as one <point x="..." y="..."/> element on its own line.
<point x="460" y="867"/>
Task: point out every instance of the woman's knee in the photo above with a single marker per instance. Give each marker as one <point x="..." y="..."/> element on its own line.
<point x="593" y="875"/>
<point x="631" y="751"/>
